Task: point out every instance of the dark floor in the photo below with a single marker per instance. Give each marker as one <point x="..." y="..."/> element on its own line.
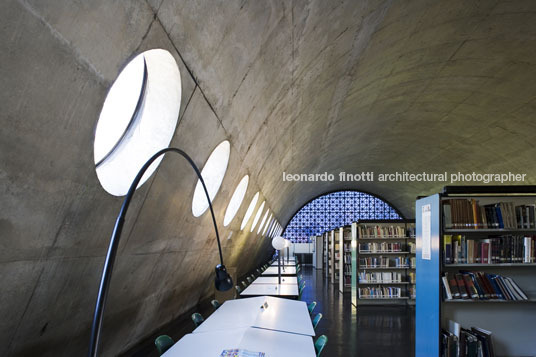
<point x="370" y="331"/>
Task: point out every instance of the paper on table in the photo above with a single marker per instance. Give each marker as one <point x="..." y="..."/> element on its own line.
<point x="241" y="353"/>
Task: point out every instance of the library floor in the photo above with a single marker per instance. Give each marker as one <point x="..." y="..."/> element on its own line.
<point x="372" y="331"/>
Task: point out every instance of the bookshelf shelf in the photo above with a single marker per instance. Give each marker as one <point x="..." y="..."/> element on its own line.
<point x="384" y="298"/>
<point x="490" y="231"/>
<point x="386" y="268"/>
<point x="383" y="283"/>
<point x="376" y="253"/>
<point x="512" y="325"/>
<point x="384" y="238"/>
<point x="463" y="301"/>
<point x="503" y="265"/>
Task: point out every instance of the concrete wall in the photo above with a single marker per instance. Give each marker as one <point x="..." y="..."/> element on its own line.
<point x="295" y="86"/>
<point x="58" y="60"/>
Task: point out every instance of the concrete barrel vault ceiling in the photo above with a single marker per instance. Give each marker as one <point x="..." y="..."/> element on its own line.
<point x="295" y="86"/>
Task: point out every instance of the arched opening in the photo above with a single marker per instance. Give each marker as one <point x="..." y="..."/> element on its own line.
<point x="336" y="209"/>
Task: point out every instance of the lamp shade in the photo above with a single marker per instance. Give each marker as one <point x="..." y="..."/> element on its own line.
<point x="223" y="280"/>
<point x="278" y="243"/>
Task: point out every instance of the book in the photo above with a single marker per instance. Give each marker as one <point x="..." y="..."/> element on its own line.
<point x="461" y="286"/>
<point x="471" y="290"/>
<point x="453" y="285"/>
<point x="447" y="288"/>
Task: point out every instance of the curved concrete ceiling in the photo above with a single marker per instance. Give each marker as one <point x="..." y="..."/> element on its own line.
<point x="295" y="86"/>
<point x="381" y="86"/>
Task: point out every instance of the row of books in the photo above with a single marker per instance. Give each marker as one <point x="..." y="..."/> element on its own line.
<point x="411" y="277"/>
<point x="387" y="262"/>
<point x="480" y="286"/>
<point x="494" y="250"/>
<point x="460" y="342"/>
<point x="376" y="247"/>
<point x="380" y="277"/>
<point x="383" y="231"/>
<point x="376" y="292"/>
<point x="461" y="213"/>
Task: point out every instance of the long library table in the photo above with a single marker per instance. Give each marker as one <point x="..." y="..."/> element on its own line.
<point x="279" y="314"/>
<point x="273" y="271"/>
<point x="283" y="290"/>
<point x="272" y="343"/>
<point x="287" y="280"/>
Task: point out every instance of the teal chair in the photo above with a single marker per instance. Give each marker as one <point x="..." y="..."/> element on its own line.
<point x="311" y="307"/>
<point x="320" y="343"/>
<point x="300" y="293"/>
<point x="216" y="304"/>
<point x="258" y="272"/>
<point x="244" y="283"/>
<point x="197" y="319"/>
<point x="302" y="284"/>
<point x="253" y="277"/>
<point x="238" y="289"/>
<point x="316" y="320"/>
<point x="249" y="279"/>
<point x="163" y="343"/>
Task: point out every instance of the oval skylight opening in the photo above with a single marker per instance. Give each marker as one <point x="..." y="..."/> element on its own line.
<point x="213" y="173"/>
<point x="272" y="228"/>
<point x="249" y="211"/>
<point x="236" y="200"/>
<point x="138" y="118"/>
<point x="257" y="216"/>
<point x="263" y="221"/>
<point x="268" y="224"/>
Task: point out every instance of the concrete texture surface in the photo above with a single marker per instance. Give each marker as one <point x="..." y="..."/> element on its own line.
<point x="295" y="86"/>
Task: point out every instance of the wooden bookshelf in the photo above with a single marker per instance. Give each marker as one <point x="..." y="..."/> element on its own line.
<point x="386" y="244"/>
<point x="511" y="322"/>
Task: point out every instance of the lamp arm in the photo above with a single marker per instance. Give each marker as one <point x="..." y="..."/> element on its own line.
<point x="114" y="244"/>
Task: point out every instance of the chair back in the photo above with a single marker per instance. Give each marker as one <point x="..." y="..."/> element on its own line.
<point x="316" y="320"/>
<point x="215" y="303"/>
<point x="301" y="291"/>
<point x="197" y="319"/>
<point x="238" y="289"/>
<point x="249" y="279"/>
<point x="311" y="307"/>
<point x="163" y="343"/>
<point x="320" y="343"/>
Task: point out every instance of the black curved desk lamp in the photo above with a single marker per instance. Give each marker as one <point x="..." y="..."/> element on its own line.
<point x="223" y="280"/>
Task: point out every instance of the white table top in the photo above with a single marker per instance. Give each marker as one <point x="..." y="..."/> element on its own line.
<point x="287" y="280"/>
<point x="274" y="271"/>
<point x="271" y="290"/>
<point x="281" y="315"/>
<point x="273" y="343"/>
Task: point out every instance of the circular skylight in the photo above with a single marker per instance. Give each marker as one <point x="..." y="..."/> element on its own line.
<point x="212" y="173"/>
<point x="236" y="200"/>
<point x="257" y="216"/>
<point x="249" y="211"/>
<point x="268" y="224"/>
<point x="138" y="119"/>
<point x="263" y="221"/>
